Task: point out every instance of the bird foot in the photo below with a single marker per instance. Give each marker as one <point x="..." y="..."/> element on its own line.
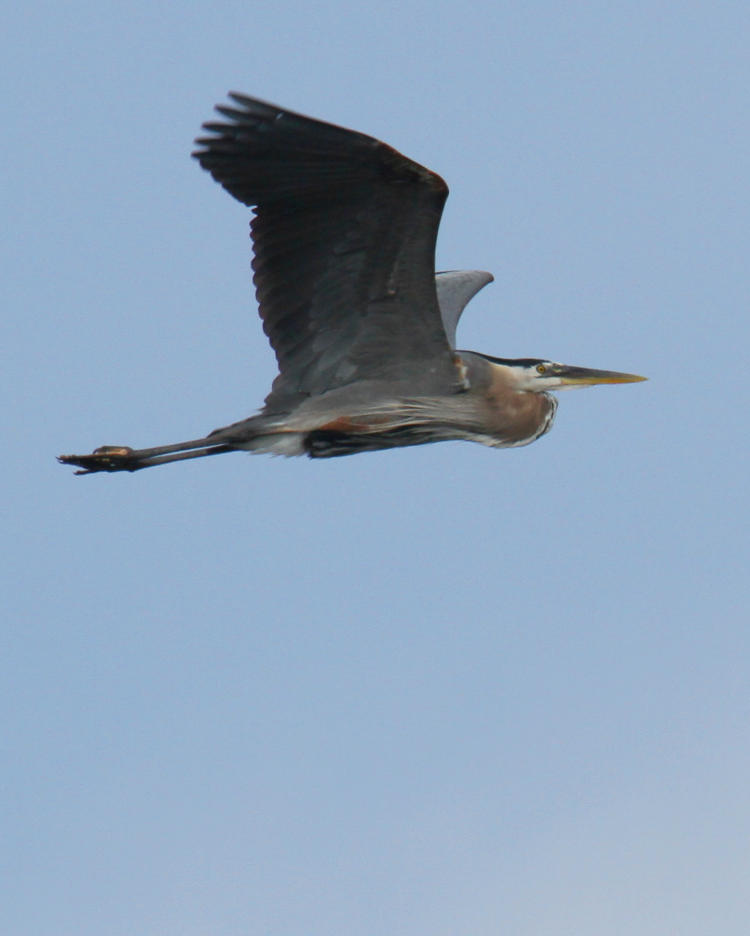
<point x="104" y="458"/>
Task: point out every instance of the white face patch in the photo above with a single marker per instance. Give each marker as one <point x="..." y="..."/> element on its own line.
<point x="534" y="377"/>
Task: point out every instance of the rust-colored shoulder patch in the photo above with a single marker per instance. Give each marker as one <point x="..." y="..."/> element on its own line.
<point x="463" y="372"/>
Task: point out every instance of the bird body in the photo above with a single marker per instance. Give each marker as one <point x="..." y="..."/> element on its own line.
<point x="344" y="233"/>
<point x="492" y="413"/>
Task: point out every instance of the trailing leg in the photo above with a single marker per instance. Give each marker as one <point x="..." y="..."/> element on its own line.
<point x="124" y="458"/>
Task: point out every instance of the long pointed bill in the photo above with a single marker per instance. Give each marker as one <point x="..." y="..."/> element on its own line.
<point x="584" y="377"/>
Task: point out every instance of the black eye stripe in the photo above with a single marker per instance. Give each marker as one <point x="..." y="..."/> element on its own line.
<point x="511" y="362"/>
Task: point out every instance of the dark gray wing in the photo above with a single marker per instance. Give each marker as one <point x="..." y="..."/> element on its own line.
<point x="456" y="288"/>
<point x="344" y="241"/>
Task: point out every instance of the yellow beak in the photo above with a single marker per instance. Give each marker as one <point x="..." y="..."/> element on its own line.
<point x="584" y="376"/>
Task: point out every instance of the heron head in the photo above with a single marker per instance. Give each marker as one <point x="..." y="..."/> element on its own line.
<point x="539" y="376"/>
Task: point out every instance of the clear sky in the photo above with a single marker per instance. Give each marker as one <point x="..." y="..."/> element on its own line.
<point x="442" y="691"/>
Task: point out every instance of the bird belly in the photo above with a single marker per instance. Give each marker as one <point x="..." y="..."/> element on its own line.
<point x="288" y="444"/>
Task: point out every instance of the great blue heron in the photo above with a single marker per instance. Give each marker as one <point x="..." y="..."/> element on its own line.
<point x="363" y="329"/>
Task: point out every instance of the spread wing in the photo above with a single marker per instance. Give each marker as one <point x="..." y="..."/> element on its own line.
<point x="455" y="289"/>
<point x="344" y="248"/>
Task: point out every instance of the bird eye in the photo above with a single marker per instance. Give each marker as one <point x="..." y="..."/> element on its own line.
<point x="541" y="369"/>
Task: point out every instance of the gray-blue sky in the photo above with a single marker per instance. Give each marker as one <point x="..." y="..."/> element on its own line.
<point x="444" y="690"/>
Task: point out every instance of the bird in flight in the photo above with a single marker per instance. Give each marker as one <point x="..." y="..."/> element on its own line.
<point x="363" y="328"/>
